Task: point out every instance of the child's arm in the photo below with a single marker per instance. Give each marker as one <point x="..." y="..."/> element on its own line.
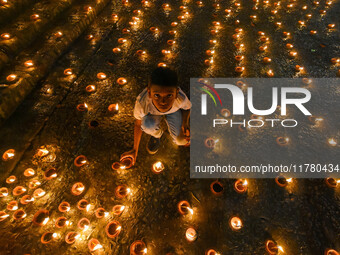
<point x="136" y="140"/>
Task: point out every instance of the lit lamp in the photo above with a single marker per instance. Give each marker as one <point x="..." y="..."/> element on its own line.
<point x="184" y="208"/>
<point x="12" y="206"/>
<point x="272" y="247"/>
<point x="94" y="245"/>
<point x="282" y="141"/>
<point x="101" y="76"/>
<point x="122" y="191"/>
<point x="100" y="213"/>
<point x="80" y="161"/>
<point x="211" y="252"/>
<point x="68" y="71"/>
<point x="35" y="17"/>
<point x="113" y="108"/>
<point x="121" y="81"/>
<point x="191" y="234"/>
<point x="77" y="188"/>
<point x="331" y="252"/>
<point x="61" y="222"/>
<point x="241" y="185"/>
<point x="8" y="155"/>
<point x="33" y="184"/>
<point x="26" y="199"/>
<point x="11" y="77"/>
<point x="48" y="237"/>
<point x="39" y="193"/>
<point x="19" y="190"/>
<point x="84" y="224"/>
<point x="113" y="229"/>
<point x="235" y="223"/>
<point x="5" y="36"/>
<point x="138" y="248"/>
<point x="11" y="179"/>
<point x="71" y="237"/>
<point x="118" y="209"/>
<point x="50" y="173"/>
<point x="83" y="204"/>
<point x="225" y="113"/>
<point x="29" y="63"/>
<point x="90" y="88"/>
<point x="3" y="216"/>
<point x="157" y="167"/>
<point x="332" y="142"/>
<point x="41" y="217"/>
<point x="64" y="207"/>
<point x="282" y="181"/>
<point x="3" y="192"/>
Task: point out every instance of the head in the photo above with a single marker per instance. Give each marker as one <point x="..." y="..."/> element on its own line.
<point x="163" y="88"/>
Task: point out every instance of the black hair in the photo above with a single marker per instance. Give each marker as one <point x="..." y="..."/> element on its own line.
<point x="164" y="76"/>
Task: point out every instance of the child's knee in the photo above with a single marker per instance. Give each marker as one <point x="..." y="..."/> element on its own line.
<point x="180" y="140"/>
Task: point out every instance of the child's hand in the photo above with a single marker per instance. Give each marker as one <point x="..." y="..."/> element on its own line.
<point x="130" y="154"/>
<point x="186" y="131"/>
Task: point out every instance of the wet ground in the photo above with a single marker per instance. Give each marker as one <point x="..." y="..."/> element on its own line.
<point x="303" y="217"/>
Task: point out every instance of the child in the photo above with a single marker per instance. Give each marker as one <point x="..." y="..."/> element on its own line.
<point x="162" y="97"/>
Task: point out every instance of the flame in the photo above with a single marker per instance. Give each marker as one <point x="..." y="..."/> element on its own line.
<point x="54" y="235"/>
<point x="43" y="151"/>
<point x="46" y="220"/>
<point x="54" y="175"/>
<point x="119" y="228"/>
<point x="98" y="246"/>
<point x="83" y="161"/>
<point x="145" y="250"/>
<point x="245" y="183"/>
<point x="80" y="188"/>
<point x="86" y="227"/>
<point x="338" y="181"/>
<point x="85" y="105"/>
<point x="5" y="194"/>
<point x="88" y="207"/>
<point x="280" y="248"/>
<point x="190" y="210"/>
<point x="15" y="208"/>
<point x="289" y="179"/>
<point x="106" y="214"/>
<point x="117" y="104"/>
<point x="4" y="216"/>
<point x="10" y="154"/>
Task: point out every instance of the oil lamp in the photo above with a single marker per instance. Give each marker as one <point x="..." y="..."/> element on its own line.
<point x="235" y="223"/>
<point x="122" y="40"/>
<point x="8" y="155"/>
<point x="26" y="199"/>
<point x="90" y="88"/>
<point x="171" y="42"/>
<point x="71" y="237"/>
<point x="84" y="224"/>
<point x="116" y="50"/>
<point x="292" y="54"/>
<point x="184" y="208"/>
<point x="263" y="48"/>
<point x="211" y="252"/>
<point x="154" y="30"/>
<point x="282" y="181"/>
<point x="157" y="167"/>
<point x="141" y="53"/>
<point x="191" y="234"/>
<point x="216" y="188"/>
<point x="82" y="107"/>
<point x="61" y="222"/>
<point x="12" y="206"/>
<point x="33" y="184"/>
<point x="161" y="64"/>
<point x="64" y="207"/>
<point x="82" y="204"/>
<point x="39" y="193"/>
<point x="330" y="26"/>
<point x="94" y="245"/>
<point x="113" y="108"/>
<point x="266" y="60"/>
<point x="3" y="216"/>
<point x="212" y="41"/>
<point x="29" y="63"/>
<point x="121" y="81"/>
<point x="89" y="37"/>
<point x="282" y="141"/>
<point x="100" y="213"/>
<point x="19" y="190"/>
<point x="50" y="173"/>
<point x="239" y="69"/>
<point x="41" y="217"/>
<point x="11" y="179"/>
<point x="166" y="52"/>
<point x="331" y="252"/>
<point x="272" y="247"/>
<point x="174" y="24"/>
<point x="48" y="237"/>
<point x="210" y="52"/>
<point x="241" y="185"/>
<point x="118" y="209"/>
<point x="3" y="192"/>
<point x="68" y="71"/>
<point x="58" y="34"/>
<point x="138" y="248"/>
<point x="113" y="229"/>
<point x="332" y="142"/>
<point x="270" y="73"/>
<point x="80" y="161"/>
<point x="225" y="112"/>
<point x="331" y="182"/>
<point x="322" y="12"/>
<point x="335" y="60"/>
<point x="11" y="77"/>
<point x="5" y="36"/>
<point x="299" y="68"/>
<point x="122" y="191"/>
<point x="115" y="17"/>
<point x="101" y="76"/>
<point x="77" y="188"/>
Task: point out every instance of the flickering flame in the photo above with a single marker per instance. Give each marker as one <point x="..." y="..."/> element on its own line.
<point x="4" y="216"/>
<point x="332" y="142"/>
<point x="190" y="210"/>
<point x="83" y="161"/>
<point x="289" y="179"/>
<point x="106" y="214"/>
<point x="10" y="155"/>
<point x="145" y="250"/>
<point x="67" y="223"/>
<point x="280" y="248"/>
<point x="118" y="228"/>
<point x="116" y="107"/>
<point x="128" y="190"/>
<point x="88" y="207"/>
<point x="80" y="188"/>
<point x="54" y="235"/>
<point x="46" y="220"/>
<point x="245" y="183"/>
<point x="98" y="246"/>
<point x="4" y="194"/>
<point x="85" y="105"/>
<point x="54" y="175"/>
<point x="29" y="200"/>
<point x="11" y="179"/>
<point x="122" y="167"/>
<point x="5" y="36"/>
<point x="14" y="208"/>
<point x="29" y="63"/>
<point x="86" y="227"/>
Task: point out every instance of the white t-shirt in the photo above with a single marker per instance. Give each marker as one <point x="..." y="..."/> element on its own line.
<point x="144" y="105"/>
